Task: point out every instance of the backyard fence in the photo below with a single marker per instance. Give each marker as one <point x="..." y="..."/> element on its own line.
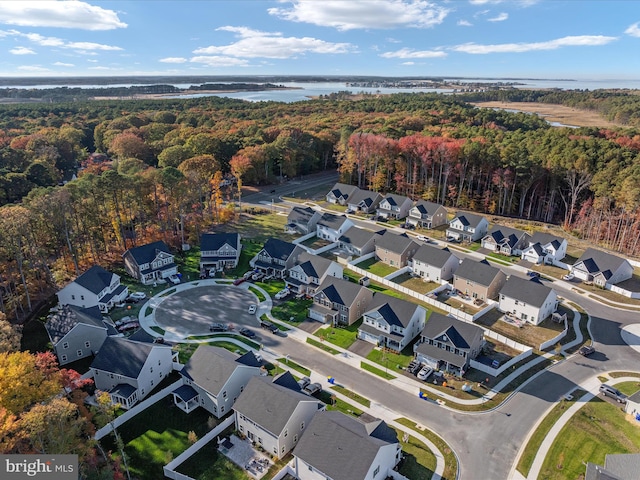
<point x="557" y="338"/>
<point x="505" y="340"/>
<point x="622" y="291"/>
<point x="497" y="371"/>
<point x="301" y="239"/>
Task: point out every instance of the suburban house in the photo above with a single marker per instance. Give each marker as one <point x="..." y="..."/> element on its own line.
<point x="602" y="268"/>
<point x="395" y="250"/>
<point x="544" y="247"/>
<point x="505" y="240"/>
<point x="391" y="322"/>
<point x="364" y="201"/>
<point x="310" y="272"/>
<point x="213" y="378"/>
<point x="620" y="466"/>
<point x="449" y="344"/>
<point x="339" y="302"/>
<point x="95" y="287"/>
<point x="632" y="407"/>
<point x="130" y="370"/>
<point x="478" y="279"/>
<point x="302" y="220"/>
<point x="149" y="263"/>
<point x="427" y="214"/>
<point x="276" y="257"/>
<point x="331" y="227"/>
<point x="527" y="300"/>
<point x="394" y="206"/>
<point x="219" y="251"/>
<point x="274" y="414"/>
<point x="434" y="264"/>
<point x="77" y="333"/>
<point x="467" y="227"/>
<point x="340" y="193"/>
<point x="339" y="447"/>
<point x="359" y="241"/>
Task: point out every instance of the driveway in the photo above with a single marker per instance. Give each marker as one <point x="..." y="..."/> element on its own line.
<point x="362" y="348"/>
<point x="310" y="326"/>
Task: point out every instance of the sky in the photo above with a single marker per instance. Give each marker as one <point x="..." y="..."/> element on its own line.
<point x="576" y="39"/>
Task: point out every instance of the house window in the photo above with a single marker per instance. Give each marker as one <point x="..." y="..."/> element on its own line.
<point x="282" y="448"/>
<point x="241" y="428"/>
<point x="224" y="394"/>
<point x="81" y="297"/>
<point x="151" y="369"/>
<point x="65" y="345"/>
<point x="159" y="362"/>
<point x="222" y="409"/>
<point x="516" y="302"/>
<point x="295" y="439"/>
<point x="376" y="471"/>
<point x="151" y="382"/>
<point x="302" y="426"/>
<point x="64" y="359"/>
<point x="142" y="391"/>
<point x="286" y="432"/>
<point x="73" y="297"/>
<point x="215" y="410"/>
<point x="79" y="352"/>
<point x="260" y="440"/>
<point x="87" y="344"/>
<point x="241" y="388"/>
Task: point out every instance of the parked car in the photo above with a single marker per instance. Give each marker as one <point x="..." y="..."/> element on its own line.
<point x="257" y="276"/>
<point x="131" y="299"/>
<point x="269" y="326"/>
<point x="175" y="279"/>
<point x="252" y="308"/>
<point x="238" y="281"/>
<point x="609" y="391"/>
<point x="247" y="275"/>
<point x="282" y="293"/>
<point x="413" y="366"/>
<point x="586" y="350"/>
<point x="218" y="327"/>
<point x="533" y="274"/>
<point x="128" y="326"/>
<point x="453" y="240"/>
<point x="424" y="373"/>
<point x="137" y="295"/>
<point x="246" y="332"/>
<point x="312" y="388"/>
<point x="568" y="276"/>
<point x="303" y="382"/>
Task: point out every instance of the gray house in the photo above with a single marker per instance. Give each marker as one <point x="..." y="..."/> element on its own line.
<point x="95" y="287"/>
<point x="395" y="250"/>
<point x="219" y="251"/>
<point x="364" y="201"/>
<point x="276" y="257"/>
<point x="434" y="264"/>
<point x="602" y="268"/>
<point x="478" y="279"/>
<point x="621" y="466"/>
<point x="358" y="241"/>
<point x="394" y="206"/>
<point x="467" y="227"/>
<point x="506" y="240"/>
<point x="310" y="271"/>
<point x="302" y="220"/>
<point x="339" y="302"/>
<point x="427" y="214"/>
<point x="340" y="193"/>
<point x="149" y="263"/>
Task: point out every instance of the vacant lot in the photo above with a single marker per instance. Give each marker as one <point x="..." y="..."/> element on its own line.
<point x="528" y="334"/>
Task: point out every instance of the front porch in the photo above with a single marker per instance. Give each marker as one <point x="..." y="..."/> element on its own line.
<point x="391" y="341"/>
<point x="440" y="359"/>
<point x="186" y="398"/>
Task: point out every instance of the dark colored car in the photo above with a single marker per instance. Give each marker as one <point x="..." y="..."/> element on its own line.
<point x="218" y="327"/>
<point x="246" y="332"/>
<point x="533" y="274"/>
<point x="238" y="281"/>
<point x="269" y="326"/>
<point x="586" y="350"/>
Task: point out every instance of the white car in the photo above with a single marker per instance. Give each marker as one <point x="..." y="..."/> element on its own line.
<point x="137" y="296"/>
<point x="282" y="293"/>
<point x="175" y="279"/>
<point x="424" y="373"/>
<point x="252" y="309"/>
<point x="257" y="276"/>
<point x="568" y="276"/>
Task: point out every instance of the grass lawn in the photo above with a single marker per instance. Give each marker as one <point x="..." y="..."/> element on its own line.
<point x="394" y="361"/>
<point x="185" y="350"/>
<point x="258" y="293"/>
<point x="293" y="307"/>
<point x="416" y="284"/>
<point x="336" y="404"/>
<point x="376" y="267"/>
<point x="209" y="464"/>
<point x="314" y="243"/>
<point x="342" y="336"/>
<point x="352" y="395"/>
<point x="376" y="371"/>
<point x="294" y="366"/>
<point x="597" y="429"/>
<point x="272" y="286"/>
<point x="419" y="461"/>
<point x="504" y="259"/>
<point x="322" y="346"/>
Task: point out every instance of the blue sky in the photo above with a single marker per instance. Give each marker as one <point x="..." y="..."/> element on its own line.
<point x="469" y="38"/>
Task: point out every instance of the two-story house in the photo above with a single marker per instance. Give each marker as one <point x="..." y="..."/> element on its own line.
<point x="478" y="279"/>
<point x="214" y="378"/>
<point x="426" y="214"/>
<point x="339" y="302"/>
<point x="544" y="247"/>
<point x="274" y="414"/>
<point x="149" y="263"/>
<point x="467" y="227"/>
<point x="339" y="447"/>
<point x="310" y="271"/>
<point x="434" y="264"/>
<point x="340" y="193"/>
<point x="95" y="287"/>
<point x="77" y="333"/>
<point x="358" y="241"/>
<point x="506" y="240"/>
<point x="395" y="250"/>
<point x="276" y="257"/>
<point x="219" y="251"/>
<point x="364" y="201"/>
<point x="394" y="206"/>
<point x="130" y="370"/>
<point x="331" y="227"/>
<point x="602" y="268"/>
<point x="391" y="322"/>
<point x="449" y="344"/>
<point x="528" y="300"/>
<point x="303" y="220"/>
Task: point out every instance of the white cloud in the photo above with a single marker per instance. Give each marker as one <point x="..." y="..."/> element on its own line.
<point x="633" y="30"/>
<point x="254" y="43"/>
<point x="408" y="63"/>
<point x="408" y="53"/>
<point x="570" y="41"/>
<point x="33" y="68"/>
<point x="363" y="14"/>
<point x="524" y="3"/>
<point x="219" y="61"/>
<point x="91" y="46"/>
<point x="61" y="64"/>
<point x="173" y="60"/>
<point x="499" y="18"/>
<point x="58" y="42"/>
<point x="464" y="23"/>
<point x="62" y="14"/>
<point x="22" y="51"/>
<point x="92" y="60"/>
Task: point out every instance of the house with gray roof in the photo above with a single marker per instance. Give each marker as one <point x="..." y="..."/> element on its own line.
<point x="621" y="466"/>
<point x="394" y="206"/>
<point x="426" y="214"/>
<point x="302" y="220"/>
<point x="449" y="344"/>
<point x="391" y="322"/>
<point x="395" y="250"/>
<point x="602" y="268"/>
<point x="632" y="406"/>
<point x="339" y="302"/>
<point x="95" y="287"/>
<point x="467" y="227"/>
<point x="310" y="271"/>
<point x="274" y="414"/>
<point x="341" y="447"/>
<point x="434" y="264"/>
<point x="331" y="227"/>
<point x="340" y="193"/>
<point x="130" y="370"/>
<point x="276" y="257"/>
<point x="364" y="201"/>
<point x="478" y="279"/>
<point x="77" y="333"/>
<point x="149" y="263"/>
<point x="506" y="240"/>
<point x="214" y="378"/>
<point x="527" y="299"/>
<point x="359" y="241"/>
<point x="219" y="251"/>
<point x="545" y="247"/>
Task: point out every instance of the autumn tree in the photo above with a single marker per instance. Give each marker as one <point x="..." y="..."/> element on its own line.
<point x="239" y="164"/>
<point x="9" y="336"/>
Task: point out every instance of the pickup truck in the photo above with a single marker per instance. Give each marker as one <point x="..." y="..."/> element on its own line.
<point x="312" y="388"/>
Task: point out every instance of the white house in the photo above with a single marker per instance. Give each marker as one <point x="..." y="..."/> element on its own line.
<point x="310" y="271"/>
<point x="340" y="193"/>
<point x="274" y="414"/>
<point x="427" y="214"/>
<point x="150" y="262"/>
<point x="394" y="206"/>
<point x="467" y="227"/>
<point x="331" y="227"/>
<point x="339" y="447"/>
<point x="632" y="407"/>
<point x="213" y="378"/>
<point x="219" y="251"/>
<point x="130" y="370"/>
<point x="527" y="300"/>
<point x="95" y="287"/>
<point x="602" y="268"/>
<point x="434" y="264"/>
<point x="391" y="322"/>
<point x="544" y="247"/>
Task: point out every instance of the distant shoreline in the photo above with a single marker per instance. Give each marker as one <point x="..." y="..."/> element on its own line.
<point x="189" y="92"/>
